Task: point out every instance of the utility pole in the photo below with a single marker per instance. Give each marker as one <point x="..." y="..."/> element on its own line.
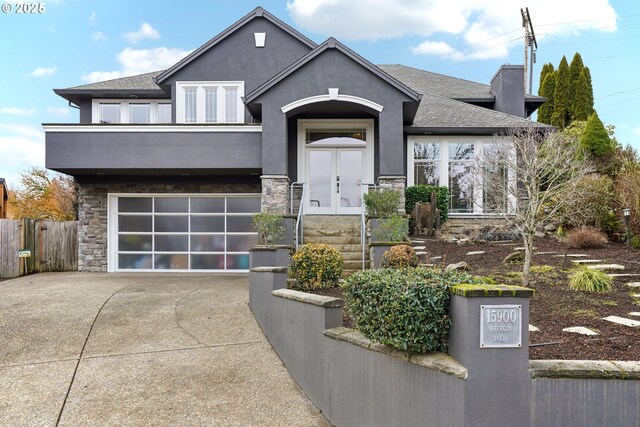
<point x="530" y="47"/>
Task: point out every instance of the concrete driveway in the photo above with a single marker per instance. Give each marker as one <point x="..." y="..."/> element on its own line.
<point x="139" y="350"/>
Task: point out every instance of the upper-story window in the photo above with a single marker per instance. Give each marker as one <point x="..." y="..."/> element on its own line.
<point x="126" y="111"/>
<point x="209" y="102"/>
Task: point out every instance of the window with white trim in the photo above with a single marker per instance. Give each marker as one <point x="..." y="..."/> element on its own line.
<point x="452" y="162"/>
<point x="126" y="111"/>
<point x="209" y="102"/>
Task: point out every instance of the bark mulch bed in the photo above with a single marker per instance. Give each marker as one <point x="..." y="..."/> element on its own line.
<point x="555" y="306"/>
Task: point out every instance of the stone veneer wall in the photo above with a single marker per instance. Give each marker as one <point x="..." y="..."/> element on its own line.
<point x="92" y="212"/>
<point x="397" y="183"/>
<point x="275" y="194"/>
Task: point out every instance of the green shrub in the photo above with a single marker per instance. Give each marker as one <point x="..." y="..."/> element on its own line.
<point x="382" y="203"/>
<point x="590" y="280"/>
<point x="422" y="194"/>
<point x="269" y="227"/>
<point x="405" y="308"/>
<point x="635" y="242"/>
<point x="586" y="238"/>
<point x="316" y="266"/>
<point x="400" y="256"/>
<point x="392" y="229"/>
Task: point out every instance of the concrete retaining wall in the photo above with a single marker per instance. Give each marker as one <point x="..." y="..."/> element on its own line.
<point x="355" y="382"/>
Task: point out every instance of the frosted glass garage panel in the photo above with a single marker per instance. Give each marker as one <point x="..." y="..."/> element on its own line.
<point x="182" y="233"/>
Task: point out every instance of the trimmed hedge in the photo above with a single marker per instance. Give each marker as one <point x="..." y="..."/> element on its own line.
<point x="316" y="266"/>
<point x="422" y="193"/>
<point x="404" y="308"/>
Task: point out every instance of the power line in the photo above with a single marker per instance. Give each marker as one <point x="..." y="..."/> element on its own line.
<point x="618" y="93"/>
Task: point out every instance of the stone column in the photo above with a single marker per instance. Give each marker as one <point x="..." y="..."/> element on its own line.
<point x="489" y="336"/>
<point x="275" y="194"/>
<point x="397" y="183"/>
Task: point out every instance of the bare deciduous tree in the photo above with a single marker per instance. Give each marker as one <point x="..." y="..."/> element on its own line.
<point x="528" y="175"/>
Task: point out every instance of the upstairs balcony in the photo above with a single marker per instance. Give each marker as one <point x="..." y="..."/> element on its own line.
<point x="153" y="149"/>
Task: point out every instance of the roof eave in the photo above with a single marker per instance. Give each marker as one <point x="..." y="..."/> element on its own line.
<point x="466" y="130"/>
<point x="258" y="12"/>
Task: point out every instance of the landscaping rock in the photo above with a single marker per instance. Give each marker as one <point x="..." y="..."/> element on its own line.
<point x="622" y="321"/>
<point x="540" y="234"/>
<point x="544" y="253"/>
<point x="418" y="248"/>
<point x="550" y="227"/>
<point x="635" y="313"/>
<point x="585" y="261"/>
<point x="573" y="255"/>
<point x="580" y="330"/>
<point x="533" y="328"/>
<point x="623" y="275"/>
<point x="513" y="257"/>
<point x="606" y="267"/>
<point x="461" y="266"/>
<point x="476" y="253"/>
<point x="634" y="284"/>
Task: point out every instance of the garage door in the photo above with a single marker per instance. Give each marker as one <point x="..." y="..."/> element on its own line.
<point x="195" y="233"/>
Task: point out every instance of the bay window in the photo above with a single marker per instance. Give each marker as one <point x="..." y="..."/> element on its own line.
<point x="454" y="162"/>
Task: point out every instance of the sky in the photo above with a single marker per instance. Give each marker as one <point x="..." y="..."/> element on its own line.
<point x="67" y="43"/>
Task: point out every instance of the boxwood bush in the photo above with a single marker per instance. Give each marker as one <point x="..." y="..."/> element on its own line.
<point x="422" y="193"/>
<point x="404" y="308"/>
<point x="316" y="266"/>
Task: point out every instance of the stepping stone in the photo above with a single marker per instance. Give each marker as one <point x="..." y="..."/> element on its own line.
<point x="436" y="257"/>
<point x="421" y="253"/>
<point x="635" y="295"/>
<point x="521" y="248"/>
<point x="573" y="255"/>
<point x="606" y="267"/>
<point x="475" y="253"/>
<point x="623" y="275"/>
<point x="580" y="330"/>
<point x="634" y="284"/>
<point x="533" y="328"/>
<point x="418" y="240"/>
<point x="585" y="261"/>
<point x="418" y="248"/>
<point x="545" y="253"/>
<point x="622" y="321"/>
<point x="635" y="313"/>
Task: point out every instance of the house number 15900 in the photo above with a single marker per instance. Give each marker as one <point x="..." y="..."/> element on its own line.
<point x="501" y="315"/>
<point x="501" y="326"/>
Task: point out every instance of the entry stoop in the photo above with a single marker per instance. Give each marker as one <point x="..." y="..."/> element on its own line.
<point x="339" y="231"/>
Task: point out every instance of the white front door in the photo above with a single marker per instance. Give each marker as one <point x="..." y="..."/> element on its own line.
<point x="334" y="176"/>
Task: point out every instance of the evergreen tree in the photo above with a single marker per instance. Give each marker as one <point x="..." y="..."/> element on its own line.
<point x="546" y="89"/>
<point x="546" y="69"/>
<point x="582" y="107"/>
<point x="561" y="96"/>
<point x="587" y="74"/>
<point x="595" y="138"/>
<point x="575" y="69"/>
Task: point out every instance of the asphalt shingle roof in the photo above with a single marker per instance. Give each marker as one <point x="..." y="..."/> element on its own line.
<point x="437" y="84"/>
<point x="138" y="82"/>
<point x="438" y="111"/>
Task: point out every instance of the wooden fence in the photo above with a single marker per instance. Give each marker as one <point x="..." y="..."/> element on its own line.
<point x="53" y="246"/>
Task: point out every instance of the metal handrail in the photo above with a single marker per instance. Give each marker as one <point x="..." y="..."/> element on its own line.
<point x="363" y="225"/>
<point x="299" y="236"/>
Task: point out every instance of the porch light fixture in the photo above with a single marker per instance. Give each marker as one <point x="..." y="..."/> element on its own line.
<point x="626" y="212"/>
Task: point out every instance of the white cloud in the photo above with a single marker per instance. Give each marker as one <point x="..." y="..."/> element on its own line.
<point x="474" y="29"/>
<point x="93" y="17"/>
<point x="98" y="36"/>
<point x="14" y="111"/>
<point x="21" y="147"/>
<point x="145" y="31"/>
<point x="441" y="49"/>
<point x="43" y="71"/>
<point x="58" y="111"/>
<point x="139" y="61"/>
<point x="635" y="131"/>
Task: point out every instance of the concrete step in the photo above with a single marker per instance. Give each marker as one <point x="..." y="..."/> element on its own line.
<point x="344" y="239"/>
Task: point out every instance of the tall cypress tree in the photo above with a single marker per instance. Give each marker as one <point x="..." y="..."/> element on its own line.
<point x="582" y="108"/>
<point x="575" y="68"/>
<point x="595" y="138"/>
<point x="561" y="96"/>
<point x="547" y="88"/>
<point x="546" y="69"/>
<point x="587" y="74"/>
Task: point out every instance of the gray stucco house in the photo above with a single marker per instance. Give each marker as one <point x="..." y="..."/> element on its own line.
<point x="171" y="164"/>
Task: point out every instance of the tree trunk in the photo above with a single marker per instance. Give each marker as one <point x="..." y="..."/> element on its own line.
<point x="528" y="254"/>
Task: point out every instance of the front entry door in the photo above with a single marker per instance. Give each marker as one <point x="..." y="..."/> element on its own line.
<point x="334" y="176"/>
